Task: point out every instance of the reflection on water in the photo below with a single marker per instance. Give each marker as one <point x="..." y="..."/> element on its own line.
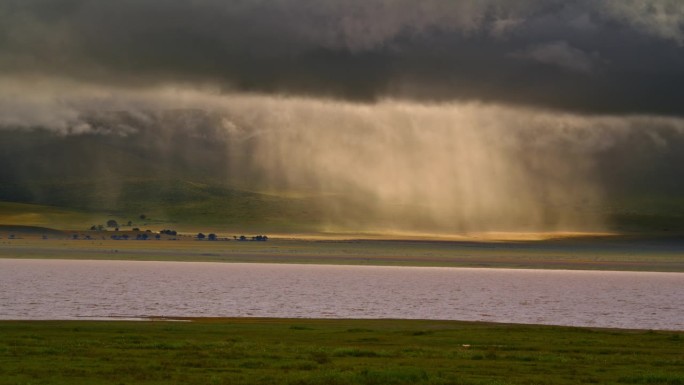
<point x="61" y="289"/>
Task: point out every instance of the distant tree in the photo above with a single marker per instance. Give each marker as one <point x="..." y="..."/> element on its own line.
<point x="112" y="223"/>
<point x="129" y="223"/>
<point x="93" y="228"/>
<point x="143" y="216"/>
<point x="136" y="229"/>
<point x="212" y="237"/>
<point x="243" y="238"/>
<point x="201" y="236"/>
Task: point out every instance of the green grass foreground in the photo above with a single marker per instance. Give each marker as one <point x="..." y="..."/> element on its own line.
<point x="287" y="351"/>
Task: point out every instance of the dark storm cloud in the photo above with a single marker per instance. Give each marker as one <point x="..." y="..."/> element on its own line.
<point x="595" y="56"/>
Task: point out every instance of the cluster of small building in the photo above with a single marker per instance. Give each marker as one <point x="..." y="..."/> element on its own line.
<point x="167" y="234"/>
<point x="170" y="234"/>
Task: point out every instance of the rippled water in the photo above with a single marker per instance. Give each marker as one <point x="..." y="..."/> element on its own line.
<point x="61" y="289"/>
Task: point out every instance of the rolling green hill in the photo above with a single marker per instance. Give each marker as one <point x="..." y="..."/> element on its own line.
<point x="164" y="203"/>
<point x="190" y="204"/>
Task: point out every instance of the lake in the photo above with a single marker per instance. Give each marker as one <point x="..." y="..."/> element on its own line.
<point x="68" y="289"/>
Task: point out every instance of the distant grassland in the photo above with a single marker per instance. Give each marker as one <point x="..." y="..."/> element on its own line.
<point x="329" y="352"/>
<point x="596" y="254"/>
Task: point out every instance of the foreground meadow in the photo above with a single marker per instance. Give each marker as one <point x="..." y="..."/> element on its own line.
<point x="297" y="351"/>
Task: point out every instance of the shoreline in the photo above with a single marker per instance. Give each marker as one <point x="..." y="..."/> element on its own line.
<point x="267" y="320"/>
<point x="549" y="267"/>
<point x="331" y="320"/>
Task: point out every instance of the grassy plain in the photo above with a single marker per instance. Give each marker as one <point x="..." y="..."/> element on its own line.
<point x="297" y="351"/>
<point x="591" y="254"/>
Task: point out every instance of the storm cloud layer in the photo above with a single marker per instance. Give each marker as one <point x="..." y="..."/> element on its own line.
<point x="433" y="115"/>
<point x="608" y="56"/>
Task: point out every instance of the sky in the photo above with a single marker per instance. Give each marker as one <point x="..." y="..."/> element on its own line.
<point x="492" y="109"/>
<point x="593" y="56"/>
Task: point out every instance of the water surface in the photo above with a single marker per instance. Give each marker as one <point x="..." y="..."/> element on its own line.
<point x="65" y="289"/>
